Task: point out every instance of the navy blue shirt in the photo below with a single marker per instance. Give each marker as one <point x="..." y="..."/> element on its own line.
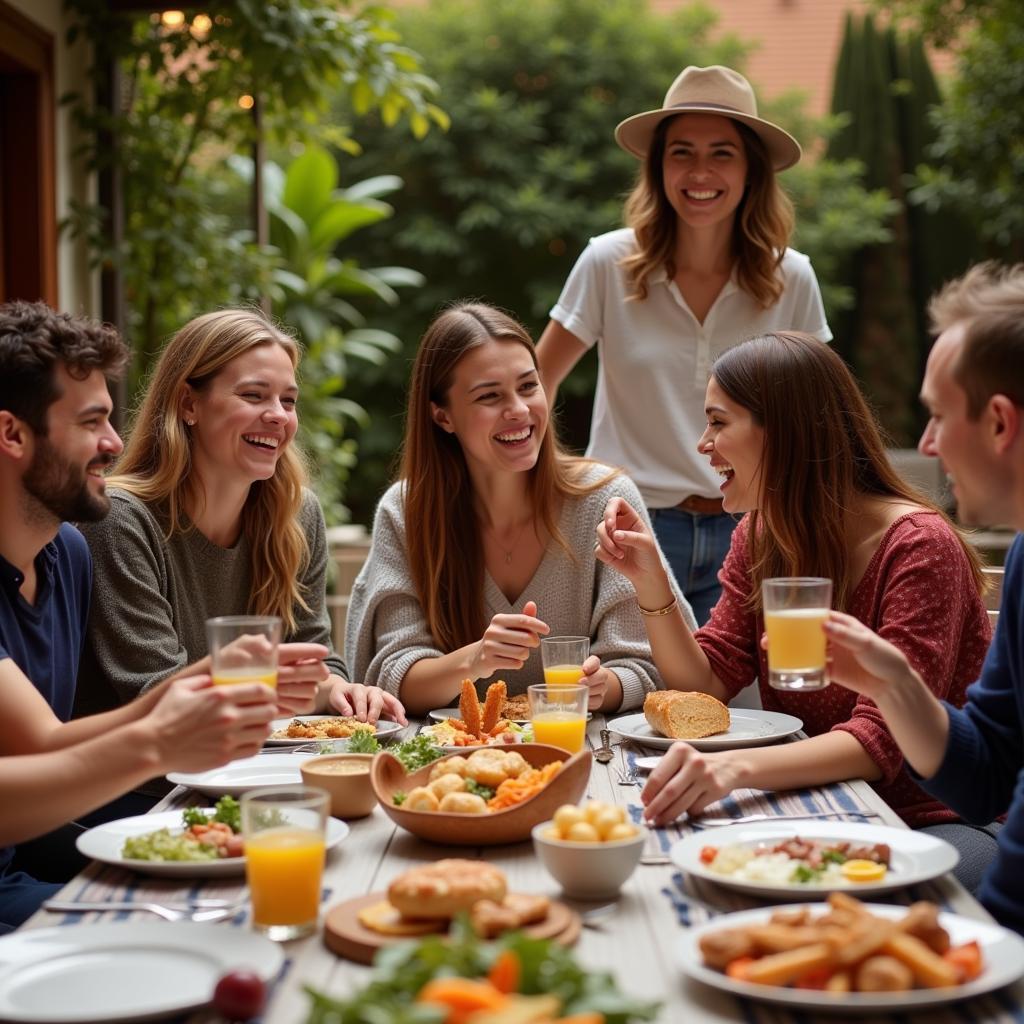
<point x="981" y="774"/>
<point x="45" y="639"/>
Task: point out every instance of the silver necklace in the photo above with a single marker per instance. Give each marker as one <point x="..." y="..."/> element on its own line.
<point x="508" y="551"/>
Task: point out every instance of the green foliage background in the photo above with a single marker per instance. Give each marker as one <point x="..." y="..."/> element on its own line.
<point x="500" y="206"/>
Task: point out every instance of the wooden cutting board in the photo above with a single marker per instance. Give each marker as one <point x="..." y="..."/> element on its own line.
<point x="345" y="935"/>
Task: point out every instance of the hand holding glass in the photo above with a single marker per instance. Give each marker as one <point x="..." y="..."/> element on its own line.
<point x="562" y="658"/>
<point x="284" y="829"/>
<point x="795" y="609"/>
<point x="558" y="715"/>
<point x="243" y="649"/>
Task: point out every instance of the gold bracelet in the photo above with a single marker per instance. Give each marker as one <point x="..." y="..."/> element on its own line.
<point x="657" y="611"/>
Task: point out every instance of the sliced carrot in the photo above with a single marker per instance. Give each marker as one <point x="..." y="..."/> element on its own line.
<point x="505" y="972"/>
<point x="965" y="960"/>
<point x="816" y="979"/>
<point x="582" y="1018"/>
<point x="737" y="969"/>
<point x="461" y="996"/>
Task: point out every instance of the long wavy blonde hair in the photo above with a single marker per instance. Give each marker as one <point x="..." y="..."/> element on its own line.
<point x="443" y="538"/>
<point x="761" y="231"/>
<point x="157" y="467"/>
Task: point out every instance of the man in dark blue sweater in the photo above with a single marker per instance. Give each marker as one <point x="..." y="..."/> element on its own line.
<point x="55" y="441"/>
<point x="971" y="758"/>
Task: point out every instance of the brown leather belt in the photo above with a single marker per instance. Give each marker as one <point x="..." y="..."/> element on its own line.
<point x="701" y="506"/>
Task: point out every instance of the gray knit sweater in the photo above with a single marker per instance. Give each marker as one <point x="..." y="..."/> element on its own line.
<point x="151" y="598"/>
<point x="387" y="632"/>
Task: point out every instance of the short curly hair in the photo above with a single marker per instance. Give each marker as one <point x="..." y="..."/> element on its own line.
<point x="33" y="339"/>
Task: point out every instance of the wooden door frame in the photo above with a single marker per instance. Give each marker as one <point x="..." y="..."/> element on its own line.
<point x="28" y="151"/>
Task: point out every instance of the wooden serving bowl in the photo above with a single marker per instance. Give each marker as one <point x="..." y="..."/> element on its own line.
<point x="512" y="825"/>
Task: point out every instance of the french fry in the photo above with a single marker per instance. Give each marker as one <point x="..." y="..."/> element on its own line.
<point x="500" y="726"/>
<point x="863" y="941"/>
<point x="469" y="707"/>
<point x="928" y="968"/>
<point x="778" y="938"/>
<point x="782" y="968"/>
<point x="496" y="694"/>
<point x="839" y="983"/>
<point x="840" y="901"/>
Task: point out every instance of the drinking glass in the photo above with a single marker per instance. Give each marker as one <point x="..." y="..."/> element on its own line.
<point x="794" y="613"/>
<point x="562" y="658"/>
<point x="284" y="829"/>
<point x="558" y="714"/>
<point x="243" y="648"/>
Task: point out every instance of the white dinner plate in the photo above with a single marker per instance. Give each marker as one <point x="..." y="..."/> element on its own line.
<point x="105" y="842"/>
<point x="442" y="714"/>
<point x="916" y="856"/>
<point x="123" y="971"/>
<point x="448" y="749"/>
<point x="1001" y="950"/>
<point x="238" y="777"/>
<point x="383" y="729"/>
<point x="748" y="728"/>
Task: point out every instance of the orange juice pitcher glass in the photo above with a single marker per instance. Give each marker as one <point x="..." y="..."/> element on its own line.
<point x="794" y="613"/>
<point x="284" y="829"/>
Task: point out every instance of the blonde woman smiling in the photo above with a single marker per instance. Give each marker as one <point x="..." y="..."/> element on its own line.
<point x="210" y="516"/>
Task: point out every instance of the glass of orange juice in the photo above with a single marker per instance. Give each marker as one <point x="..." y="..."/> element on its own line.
<point x="562" y="658"/>
<point x="284" y="828"/>
<point x="794" y="613"/>
<point x="558" y="714"/>
<point x="243" y="649"/>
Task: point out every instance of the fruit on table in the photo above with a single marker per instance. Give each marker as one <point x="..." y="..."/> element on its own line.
<point x="240" y="995"/>
<point x="863" y="871"/>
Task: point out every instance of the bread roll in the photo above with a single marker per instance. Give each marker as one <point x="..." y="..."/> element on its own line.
<point x="685" y="716"/>
<point x="445" y="887"/>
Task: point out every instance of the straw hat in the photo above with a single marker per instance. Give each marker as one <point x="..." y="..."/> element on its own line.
<point x="713" y="90"/>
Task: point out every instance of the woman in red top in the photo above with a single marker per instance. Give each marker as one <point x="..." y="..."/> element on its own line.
<point x="799" y="451"/>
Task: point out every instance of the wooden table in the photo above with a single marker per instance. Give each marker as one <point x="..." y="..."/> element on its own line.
<point x="636" y="942"/>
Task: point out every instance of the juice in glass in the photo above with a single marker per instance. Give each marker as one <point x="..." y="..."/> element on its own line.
<point x="283" y="867"/>
<point x="794" y="611"/>
<point x="563" y="729"/>
<point x="284" y="828"/>
<point x="231" y="676"/>
<point x="562" y="675"/>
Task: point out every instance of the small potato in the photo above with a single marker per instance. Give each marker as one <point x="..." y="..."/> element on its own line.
<point x="592" y="808"/>
<point x="620" y="830"/>
<point x="445" y="784"/>
<point x="583" y="832"/>
<point x="421" y="799"/>
<point x="449" y="766"/>
<point x="605" y="821"/>
<point x="463" y="803"/>
<point x="566" y="816"/>
<point x="515" y="764"/>
<point x="552" y="832"/>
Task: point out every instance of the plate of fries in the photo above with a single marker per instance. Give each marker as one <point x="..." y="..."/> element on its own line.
<point x="475" y="724"/>
<point x="852" y="957"/>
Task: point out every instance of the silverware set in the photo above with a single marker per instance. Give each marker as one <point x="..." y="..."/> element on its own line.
<point x="196" y="910"/>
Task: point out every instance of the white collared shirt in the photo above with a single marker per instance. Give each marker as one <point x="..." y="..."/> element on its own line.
<point x="655" y="359"/>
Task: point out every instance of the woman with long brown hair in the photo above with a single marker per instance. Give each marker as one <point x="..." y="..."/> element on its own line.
<point x="702" y="263"/>
<point x="210" y="516"/>
<point x="484" y="544"/>
<point x="798" y="450"/>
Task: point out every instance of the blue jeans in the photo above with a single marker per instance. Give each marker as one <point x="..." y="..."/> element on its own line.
<point x="695" y="547"/>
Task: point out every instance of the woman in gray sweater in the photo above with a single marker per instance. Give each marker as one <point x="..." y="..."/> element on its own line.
<point x="210" y="516"/>
<point x="485" y="543"/>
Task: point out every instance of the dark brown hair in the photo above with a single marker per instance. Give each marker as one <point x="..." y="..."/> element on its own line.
<point x="443" y="540"/>
<point x="822" y="450"/>
<point x="989" y="301"/>
<point x="33" y="339"/>
<point x="763" y="225"/>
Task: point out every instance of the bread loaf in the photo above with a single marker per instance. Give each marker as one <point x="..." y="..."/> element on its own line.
<point x="685" y="716"/>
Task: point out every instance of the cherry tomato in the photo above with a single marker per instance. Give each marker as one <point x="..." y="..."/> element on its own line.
<point x="239" y="995"/>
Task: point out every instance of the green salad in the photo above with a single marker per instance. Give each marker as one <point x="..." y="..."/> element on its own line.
<point x="206" y="836"/>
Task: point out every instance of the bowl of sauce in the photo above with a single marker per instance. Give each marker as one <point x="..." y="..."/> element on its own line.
<point x="346" y="777"/>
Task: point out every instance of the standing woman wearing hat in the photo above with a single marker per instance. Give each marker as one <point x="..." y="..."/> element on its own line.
<point x="702" y="265"/>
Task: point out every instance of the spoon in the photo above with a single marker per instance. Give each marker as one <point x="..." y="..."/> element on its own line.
<point x="604" y="753"/>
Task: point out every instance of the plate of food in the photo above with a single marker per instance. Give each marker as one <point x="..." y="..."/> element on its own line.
<point x="291" y="732"/>
<point x="123" y="971"/>
<point x="488" y="797"/>
<point x="424" y="900"/>
<point x="196" y="842"/>
<point x="774" y="859"/>
<point x="238" y="777"/>
<point x="852" y="957"/>
<point x="477" y="725"/>
<point x="703" y="722"/>
<point x="512" y="709"/>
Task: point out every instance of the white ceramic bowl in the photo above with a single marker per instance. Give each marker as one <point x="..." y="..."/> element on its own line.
<point x="588" y="871"/>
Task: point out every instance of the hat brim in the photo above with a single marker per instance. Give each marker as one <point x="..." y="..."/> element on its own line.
<point x="635" y="133"/>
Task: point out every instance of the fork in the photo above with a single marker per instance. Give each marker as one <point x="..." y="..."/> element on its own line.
<point x="713" y="822"/>
<point x="202" y="910"/>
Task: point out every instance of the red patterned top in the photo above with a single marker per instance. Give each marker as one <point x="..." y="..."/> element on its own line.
<point x="918" y="593"/>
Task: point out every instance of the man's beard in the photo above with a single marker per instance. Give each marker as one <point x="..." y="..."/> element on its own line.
<point x="62" y="488"/>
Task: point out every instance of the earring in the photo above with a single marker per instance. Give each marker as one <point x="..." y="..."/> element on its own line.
<point x="190" y="423"/>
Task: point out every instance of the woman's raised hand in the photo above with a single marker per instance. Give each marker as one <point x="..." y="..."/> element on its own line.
<point x="625" y="542"/>
<point x="507" y="642"/>
<point x="367" y="703"/>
